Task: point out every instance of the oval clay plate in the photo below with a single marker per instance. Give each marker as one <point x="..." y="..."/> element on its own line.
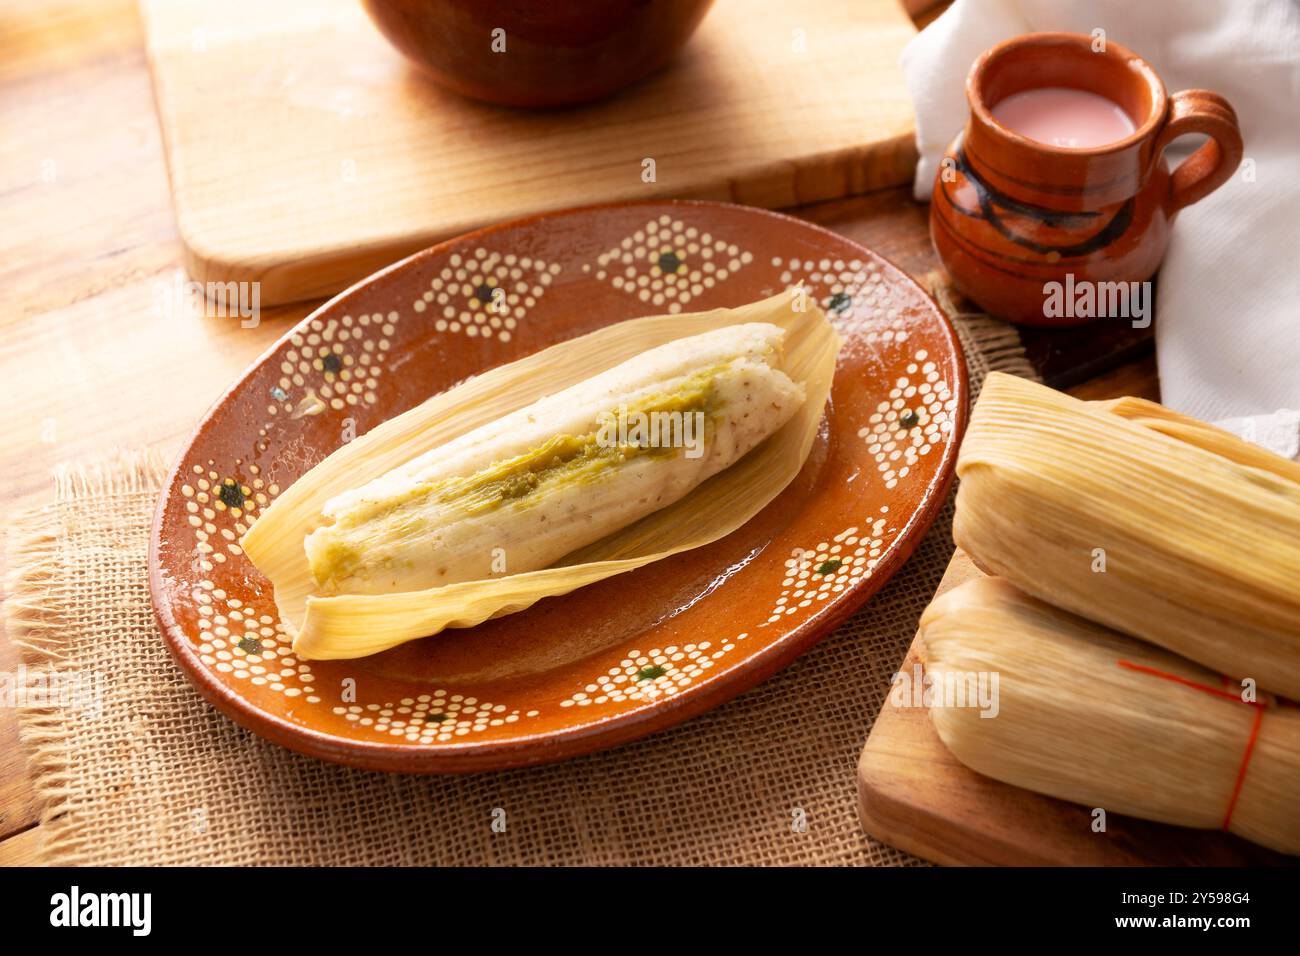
<point x="626" y="656"/>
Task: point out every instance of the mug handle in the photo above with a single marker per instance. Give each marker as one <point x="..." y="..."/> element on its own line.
<point x="1200" y="111"/>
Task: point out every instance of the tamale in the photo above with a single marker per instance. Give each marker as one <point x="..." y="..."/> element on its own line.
<point x="529" y="488"/>
<point x="1179" y="535"/>
<point x="547" y="474"/>
<point x="1097" y="718"/>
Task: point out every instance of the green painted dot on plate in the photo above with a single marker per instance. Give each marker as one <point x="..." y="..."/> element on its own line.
<point x="669" y="262"/>
<point x="650" y="673"/>
<point x="829" y="567"/>
<point x="231" y="495"/>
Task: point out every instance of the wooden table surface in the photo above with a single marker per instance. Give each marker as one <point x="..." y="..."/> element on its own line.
<point x="93" y="357"/>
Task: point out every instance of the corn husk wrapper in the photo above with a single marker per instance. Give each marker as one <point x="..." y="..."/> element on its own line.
<point x="348" y="626"/>
<point x="1074" y="723"/>
<point x="1199" y="532"/>
<point x="1202" y="435"/>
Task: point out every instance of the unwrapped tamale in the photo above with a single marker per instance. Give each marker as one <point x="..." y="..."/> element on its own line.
<point x="588" y="459"/>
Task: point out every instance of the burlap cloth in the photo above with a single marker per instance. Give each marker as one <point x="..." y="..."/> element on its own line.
<point x="157" y="776"/>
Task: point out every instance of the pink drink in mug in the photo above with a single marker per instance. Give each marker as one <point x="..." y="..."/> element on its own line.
<point x="1060" y="116"/>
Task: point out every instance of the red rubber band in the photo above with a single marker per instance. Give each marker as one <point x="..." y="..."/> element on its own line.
<point x="1245" y="762"/>
<point x="1260" y="707"/>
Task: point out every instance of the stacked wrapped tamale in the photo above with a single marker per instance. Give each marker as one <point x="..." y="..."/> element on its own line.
<point x="1143" y="617"/>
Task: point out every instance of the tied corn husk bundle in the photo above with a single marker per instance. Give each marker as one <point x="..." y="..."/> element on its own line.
<point x="1088" y="715"/>
<point x="1199" y="531"/>
<point x="365" y="551"/>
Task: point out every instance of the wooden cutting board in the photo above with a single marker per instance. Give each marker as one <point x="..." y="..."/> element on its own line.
<point x="304" y="152"/>
<point x="913" y="794"/>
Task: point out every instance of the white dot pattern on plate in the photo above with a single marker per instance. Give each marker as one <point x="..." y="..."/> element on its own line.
<point x="667" y="263"/>
<point x="333" y="363"/>
<point x="814" y="575"/>
<point x="656" y="673"/>
<point x="236" y="640"/>
<point x="436" y="717"/>
<point x="850" y="291"/>
<point x="485" y="293"/>
<point x="916" y="418"/>
<point x="220" y="507"/>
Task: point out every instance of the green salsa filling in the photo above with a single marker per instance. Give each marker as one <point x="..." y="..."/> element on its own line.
<point x="562" y="459"/>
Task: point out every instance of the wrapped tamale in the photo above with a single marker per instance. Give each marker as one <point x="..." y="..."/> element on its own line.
<point x="1097" y="718"/>
<point x="1156" y="526"/>
<point x="588" y="459"/>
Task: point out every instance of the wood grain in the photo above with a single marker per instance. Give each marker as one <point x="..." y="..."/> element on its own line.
<point x="91" y="357"/>
<point x="23" y="849"/>
<point x="18" y="805"/>
<point x="94" y="353"/>
<point x="305" y="152"/>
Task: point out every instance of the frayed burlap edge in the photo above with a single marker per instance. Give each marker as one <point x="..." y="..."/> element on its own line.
<point x="980" y="333"/>
<point x="36" y="628"/>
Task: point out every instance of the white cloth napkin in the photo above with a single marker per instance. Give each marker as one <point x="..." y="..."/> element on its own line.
<point x="1228" y="299"/>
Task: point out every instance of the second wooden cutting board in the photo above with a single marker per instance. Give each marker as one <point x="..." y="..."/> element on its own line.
<point x="304" y="152"/>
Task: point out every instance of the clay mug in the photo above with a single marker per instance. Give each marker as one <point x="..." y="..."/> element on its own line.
<point x="1013" y="217"/>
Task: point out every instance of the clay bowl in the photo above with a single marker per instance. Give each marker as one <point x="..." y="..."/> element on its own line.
<point x="616" y="660"/>
<point x="537" y="54"/>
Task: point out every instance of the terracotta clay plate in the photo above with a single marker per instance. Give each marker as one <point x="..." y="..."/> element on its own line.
<point x="623" y="657"/>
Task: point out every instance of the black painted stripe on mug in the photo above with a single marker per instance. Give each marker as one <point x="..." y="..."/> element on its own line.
<point x="974" y="214"/>
<point x="1044" y="214"/>
<point x="988" y="197"/>
<point x="997" y="265"/>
